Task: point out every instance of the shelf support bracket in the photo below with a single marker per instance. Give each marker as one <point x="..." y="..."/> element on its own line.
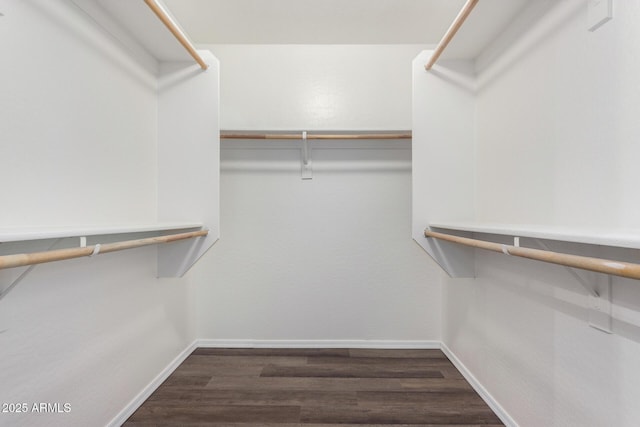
<point x="599" y="299"/>
<point x="589" y="287"/>
<point x="307" y="171"/>
<point x="24" y="273"/>
<point x="600" y="307"/>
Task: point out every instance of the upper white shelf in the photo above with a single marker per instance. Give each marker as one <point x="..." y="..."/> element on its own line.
<point x="41" y="233"/>
<point x="594" y="236"/>
<point x="139" y="21"/>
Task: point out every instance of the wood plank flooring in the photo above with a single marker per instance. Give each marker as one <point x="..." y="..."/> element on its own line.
<point x="314" y="387"/>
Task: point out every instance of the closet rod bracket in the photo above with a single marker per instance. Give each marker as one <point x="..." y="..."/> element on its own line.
<point x="600" y="307"/>
<point x="306" y="170"/>
<point x="25" y="273"/>
<point x="599" y="287"/>
<point x="588" y="285"/>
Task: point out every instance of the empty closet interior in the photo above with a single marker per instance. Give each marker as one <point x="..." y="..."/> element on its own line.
<point x="350" y="175"/>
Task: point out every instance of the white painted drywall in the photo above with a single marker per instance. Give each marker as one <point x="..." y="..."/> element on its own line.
<point x="326" y="259"/>
<point x="443" y="154"/>
<point x="91" y="333"/>
<point x="566" y="141"/>
<point x="188" y="157"/>
<point x="66" y="123"/>
<point x="557" y="144"/>
<point x="310" y="87"/>
<point x="78" y="119"/>
<point x="331" y="258"/>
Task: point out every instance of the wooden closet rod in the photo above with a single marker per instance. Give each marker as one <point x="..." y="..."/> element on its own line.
<point x="599" y="265"/>
<point x="20" y="260"/>
<point x="451" y="32"/>
<point x="171" y="26"/>
<point x="365" y="135"/>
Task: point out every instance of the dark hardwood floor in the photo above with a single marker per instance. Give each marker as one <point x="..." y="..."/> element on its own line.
<point x="314" y="387"/>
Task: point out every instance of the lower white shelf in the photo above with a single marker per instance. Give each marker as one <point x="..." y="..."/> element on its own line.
<point x="18" y="234"/>
<point x="24" y="247"/>
<point x="593" y="236"/>
<point x="457" y="258"/>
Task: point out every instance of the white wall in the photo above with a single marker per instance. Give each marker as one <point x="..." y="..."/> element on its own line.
<point x="567" y="139"/>
<point x="189" y="157"/>
<point x="330" y="258"/>
<point x="310" y="87"/>
<point x="326" y="259"/>
<point x="556" y="144"/>
<point x="78" y="146"/>
<point x="66" y="122"/>
<point x="90" y="333"/>
<point x="443" y="163"/>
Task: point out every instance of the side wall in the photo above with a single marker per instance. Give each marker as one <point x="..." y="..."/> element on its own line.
<point x="188" y="157"/>
<point x="78" y="146"/>
<point x="443" y="157"/>
<point x="328" y="260"/>
<point x="556" y="144"/>
<point x="70" y="111"/>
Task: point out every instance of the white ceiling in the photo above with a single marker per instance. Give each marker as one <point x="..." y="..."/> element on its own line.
<point x="342" y="22"/>
<point x="314" y="21"/>
<point x="421" y="22"/>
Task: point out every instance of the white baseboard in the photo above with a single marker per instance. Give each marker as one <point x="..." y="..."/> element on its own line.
<point x="137" y="401"/>
<point x="479" y="388"/>
<point x="380" y="344"/>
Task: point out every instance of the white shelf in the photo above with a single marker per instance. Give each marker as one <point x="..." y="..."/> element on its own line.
<point x="594" y="236"/>
<point x="40" y="233"/>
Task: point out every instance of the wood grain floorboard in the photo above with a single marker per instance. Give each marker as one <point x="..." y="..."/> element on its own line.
<point x="390" y="414"/>
<point x="383" y="361"/>
<point x="234" y="424"/>
<point x="312" y="384"/>
<point x="450" y="384"/>
<point x="291" y="352"/>
<point x="199" y="413"/>
<point x="450" y="372"/>
<point x="441" y="385"/>
<point x="220" y="371"/>
<point x="314" y="388"/>
<point x="349" y="371"/>
<point x="187" y="381"/>
<point x="244" y="360"/>
<point x="426" y="399"/>
<point x="394" y="354"/>
<point x="172" y="397"/>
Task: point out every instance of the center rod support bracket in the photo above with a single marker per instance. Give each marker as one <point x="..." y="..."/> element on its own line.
<point x="599" y="303"/>
<point x="307" y="171"/>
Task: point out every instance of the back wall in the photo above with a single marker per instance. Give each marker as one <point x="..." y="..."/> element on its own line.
<point x="315" y="86"/>
<point x="327" y="260"/>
